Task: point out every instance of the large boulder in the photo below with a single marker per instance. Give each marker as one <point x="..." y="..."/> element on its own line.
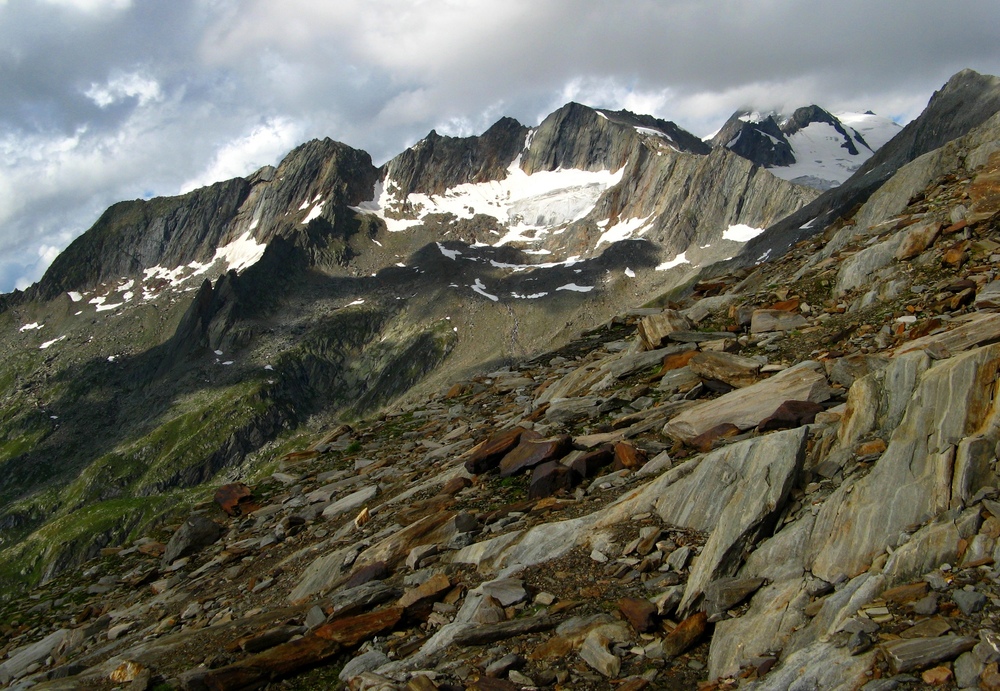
<point x="194" y="534"/>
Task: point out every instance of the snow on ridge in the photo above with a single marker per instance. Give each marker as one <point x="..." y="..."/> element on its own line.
<point x="624" y="230"/>
<point x="529" y="205"/>
<point x="48" y="344"/>
<point x="241" y="253"/>
<point x="313" y="213"/>
<point x="33" y="326"/>
<point x="741" y="233"/>
<point x="451" y="254"/>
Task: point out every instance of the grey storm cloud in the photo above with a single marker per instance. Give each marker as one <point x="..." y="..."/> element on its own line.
<point x="104" y="100"/>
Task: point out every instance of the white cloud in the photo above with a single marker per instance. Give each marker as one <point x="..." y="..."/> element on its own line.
<point x="122" y="86"/>
<point x="265" y="144"/>
<point x="92" y="6"/>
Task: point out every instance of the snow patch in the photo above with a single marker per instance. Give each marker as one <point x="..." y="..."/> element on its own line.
<point x="359" y="301"/>
<point x="74" y="296"/>
<point x="47" y="344"/>
<point x="33" y="326"/>
<point x="239" y="254"/>
<point x="676" y="261"/>
<point x="313" y="213"/>
<point x="575" y="288"/>
<point x="741" y="233"/>
<point x="629" y="272"/>
<point x="481" y="289"/>
<point x="624" y="230"/>
<point x="533" y="296"/>
<point x="451" y="254"/>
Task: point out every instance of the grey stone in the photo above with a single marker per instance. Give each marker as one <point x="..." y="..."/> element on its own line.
<point x="746" y="407"/>
<point x="594" y="652"/>
<point x="767" y="321"/>
<point x="194" y="534"/>
<point x="906" y="486"/>
<point x="857" y="269"/>
<point x="20" y="660"/>
<point x="819" y="666"/>
<point x="366" y="662"/>
<point x="967" y="670"/>
<point x="725" y="593"/>
<point x="905" y="655"/>
<point x="508" y="591"/>
<point x="353" y="501"/>
<point x="969" y="602"/>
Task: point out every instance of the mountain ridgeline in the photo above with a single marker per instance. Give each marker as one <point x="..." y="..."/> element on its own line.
<point x="199" y="338"/>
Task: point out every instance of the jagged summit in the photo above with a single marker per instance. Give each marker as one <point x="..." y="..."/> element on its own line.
<point x="811" y="146"/>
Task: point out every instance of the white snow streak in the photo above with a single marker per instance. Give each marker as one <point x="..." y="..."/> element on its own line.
<point x="741" y="233"/>
<point x="575" y="288"/>
<point x="676" y="261"/>
<point x="481" y="289"/>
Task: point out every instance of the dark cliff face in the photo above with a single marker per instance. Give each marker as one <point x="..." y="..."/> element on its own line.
<point x="436" y="163"/>
<point x="966" y="101"/>
<point x="576" y="136"/>
<point x="173" y="231"/>
<point x="132" y="236"/>
<point x="762" y="142"/>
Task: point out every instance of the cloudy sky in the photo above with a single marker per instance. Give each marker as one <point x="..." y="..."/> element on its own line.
<point x="104" y="100"/>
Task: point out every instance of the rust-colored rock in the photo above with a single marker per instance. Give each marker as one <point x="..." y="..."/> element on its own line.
<point x="936" y="676"/>
<point x="456" y="485"/>
<point x="789" y="305"/>
<point x="628" y="457"/>
<point x="316" y="647"/>
<point x="676" y="361"/>
<point x="706" y="440"/>
<point x="871" y="448"/>
<point x="640" y="613"/>
<point x="530" y="453"/>
<point x="551" y="477"/>
<point x="590" y="463"/>
<point x="235" y="499"/>
<point x="685" y="635"/>
<point x="906" y="593"/>
<point x="989" y="680"/>
<point x="488" y="454"/>
<point x="434" y="588"/>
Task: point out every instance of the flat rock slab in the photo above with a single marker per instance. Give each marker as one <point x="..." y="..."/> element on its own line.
<point x="981" y="328"/>
<point x="906" y="655"/>
<point x="746" y="407"/>
<point x="353" y="501"/>
<point x="194" y="534"/>
<point x="491" y="633"/>
<point x="654" y="330"/>
<point x="766" y="321"/>
<point x="735" y="370"/>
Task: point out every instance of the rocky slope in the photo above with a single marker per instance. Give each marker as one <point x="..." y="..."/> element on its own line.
<point x="180" y="336"/>
<point x="787" y="479"/>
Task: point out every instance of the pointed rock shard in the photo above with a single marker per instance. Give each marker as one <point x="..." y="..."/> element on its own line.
<point x="235" y="499"/>
<point x="982" y="328"/>
<point x="487" y="455"/>
<point x="533" y="452"/>
<point x="746" y="407"/>
<point x="628" y="457"/>
<point x="917" y="238"/>
<point x="594" y="652"/>
<point x="655" y="329"/>
<point x="763" y="470"/>
<point x="349" y="503"/>
<point x="685" y="635"/>
<point x="640" y="613"/>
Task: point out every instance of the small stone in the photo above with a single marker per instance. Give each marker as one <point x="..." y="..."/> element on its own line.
<point x="936" y="676"/>
<point x="969" y="603"/>
<point x="506" y="663"/>
<point x="639" y="612"/>
<point x="594" y="652"/>
<point x="967" y="670"/>
<point x="860" y="642"/>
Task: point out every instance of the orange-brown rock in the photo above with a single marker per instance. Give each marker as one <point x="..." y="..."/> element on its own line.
<point x="532" y="452"/>
<point x="588" y="464"/>
<point x="706" y="440"/>
<point x="789" y="305"/>
<point x="936" y="676"/>
<point x="456" y="485"/>
<point x="434" y="588"/>
<point x="685" y="635"/>
<point x="639" y="612"/>
<point x="906" y="593"/>
<point x="872" y="447"/>
<point x="487" y="455"/>
<point x="235" y="498"/>
<point x="676" y="361"/>
<point x="628" y="457"/>
<point x="790" y="414"/>
<point x="316" y="647"/>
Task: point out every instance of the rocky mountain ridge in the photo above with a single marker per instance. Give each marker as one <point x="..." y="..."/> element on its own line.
<point x="787" y="479"/>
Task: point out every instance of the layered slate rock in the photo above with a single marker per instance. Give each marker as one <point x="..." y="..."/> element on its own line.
<point x="488" y="454"/>
<point x="912" y="481"/>
<point x="757" y="475"/>
<point x="746" y="407"/>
